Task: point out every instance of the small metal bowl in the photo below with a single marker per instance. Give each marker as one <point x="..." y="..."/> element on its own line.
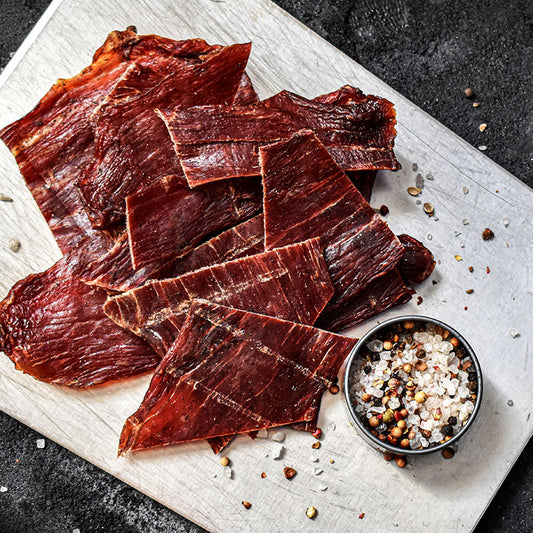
<point x="364" y="432"/>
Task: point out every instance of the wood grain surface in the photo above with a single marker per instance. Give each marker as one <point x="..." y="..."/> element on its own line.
<point x="469" y="193"/>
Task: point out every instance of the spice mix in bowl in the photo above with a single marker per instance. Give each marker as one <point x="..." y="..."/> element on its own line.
<point x="413" y="385"/>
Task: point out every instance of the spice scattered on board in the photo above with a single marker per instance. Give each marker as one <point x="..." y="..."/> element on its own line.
<point x="514" y="333"/>
<point x="289" y="472"/>
<point x="383" y="210"/>
<point x="3" y="489"/>
<point x="475" y="104"/>
<point x="469" y="92"/>
<point x="5" y="198"/>
<point x="263" y="475"/>
<point x="310" y="512"/>
<point x="448" y="453"/>
<point x="334" y="389"/>
<point x="469" y="291"/>
<point x="246" y="504"/>
<point x="487" y="234"/>
<point x="14" y="245"/>
<point x="224" y="461"/>
<point x="458" y="258"/>
<point x="362" y="515"/>
<point x="510" y="403"/>
<point x="40" y="443"/>
<point x="482" y="147"/>
<point x="429" y="209"/>
<point x="414" y="191"/>
<point x="316" y="445"/>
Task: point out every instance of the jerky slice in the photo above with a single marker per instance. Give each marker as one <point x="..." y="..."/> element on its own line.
<point x="220" y="142"/>
<point x="169" y="219"/>
<point x="290" y="283"/>
<point x="52" y="327"/>
<point x="232" y="371"/>
<point x="132" y="144"/>
<point x="307" y="195"/>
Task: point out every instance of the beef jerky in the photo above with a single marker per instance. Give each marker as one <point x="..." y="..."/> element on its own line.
<point x="52" y="327"/>
<point x="114" y="271"/>
<point x="290" y="283"/>
<point x="379" y="295"/>
<point x="53" y="144"/>
<point x="132" y="146"/>
<point x="220" y="142"/>
<point x="232" y="371"/>
<point x="417" y="262"/>
<point x="364" y="181"/>
<point x="246" y="94"/>
<point x="168" y="218"/>
<point x="307" y="195"/>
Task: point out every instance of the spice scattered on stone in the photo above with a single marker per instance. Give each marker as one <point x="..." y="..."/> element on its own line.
<point x="488" y="270"/>
<point x="246" y="504"/>
<point x="414" y="166"/>
<point x="482" y="127"/>
<point x="458" y="258"/>
<point x="429" y="209"/>
<point x="3" y="489"/>
<point x="430" y="177"/>
<point x="263" y="475"/>
<point x="505" y="222"/>
<point x="471" y="268"/>
<point x="448" y="453"/>
<point x="362" y="515"/>
<point x="40" y="443"/>
<point x="224" y="461"/>
<point x="14" y="245"/>
<point x="278" y="436"/>
<point x="334" y="389"/>
<point x="475" y="104"/>
<point x="430" y="237"/>
<point x="514" y="333"/>
<point x="482" y="147"/>
<point x="469" y="92"/>
<point x="316" y="445"/>
<point x="414" y="191"/>
<point x="417" y="393"/>
<point x="469" y="291"/>
<point x="465" y="190"/>
<point x="487" y="234"/>
<point x="419" y="181"/>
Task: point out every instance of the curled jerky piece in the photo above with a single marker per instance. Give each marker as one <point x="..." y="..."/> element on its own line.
<point x="232" y="371"/>
<point x="290" y="283"/>
<point x="52" y="327"/>
<point x="417" y="263"/>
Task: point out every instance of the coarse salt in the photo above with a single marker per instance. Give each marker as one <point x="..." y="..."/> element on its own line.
<point x="40" y="443"/>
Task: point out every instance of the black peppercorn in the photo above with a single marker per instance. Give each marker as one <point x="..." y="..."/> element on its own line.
<point x="447" y="430"/>
<point x="452" y="420"/>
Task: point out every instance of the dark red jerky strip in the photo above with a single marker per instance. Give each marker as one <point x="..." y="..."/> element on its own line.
<point x="345" y="95"/>
<point x="307" y="195"/>
<point x="219" y="142"/>
<point x="379" y="295"/>
<point x="132" y="144"/>
<point x="167" y="219"/>
<point x="52" y="327"/>
<point x="53" y="144"/>
<point x="290" y="283"/>
<point x="417" y="263"/>
<point x="231" y="371"/>
<point x="114" y="271"/>
<point x="219" y="443"/>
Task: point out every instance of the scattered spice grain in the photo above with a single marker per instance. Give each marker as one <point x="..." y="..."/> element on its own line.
<point x="482" y="127"/>
<point x="334" y="389"/>
<point x="487" y="234"/>
<point x="310" y="512"/>
<point x="448" y="453"/>
<point x="414" y="191"/>
<point x="14" y="245"/>
<point x="224" y="461"/>
<point x="383" y="210"/>
<point x="469" y="291"/>
<point x="5" y="198"/>
<point x="469" y="92"/>
<point x="246" y="504"/>
<point x="362" y="515"/>
<point x="289" y="472"/>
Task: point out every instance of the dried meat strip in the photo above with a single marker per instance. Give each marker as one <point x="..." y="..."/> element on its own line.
<point x="290" y="283"/>
<point x="379" y="295"/>
<point x="53" y="144"/>
<point x="417" y="262"/>
<point x="52" y="327"/>
<point x="114" y="271"/>
<point x="246" y="94"/>
<point x="220" y="142"/>
<point x="364" y="181"/>
<point x="232" y="371"/>
<point x="168" y="219"/>
<point x="307" y="195"/>
<point x="132" y="145"/>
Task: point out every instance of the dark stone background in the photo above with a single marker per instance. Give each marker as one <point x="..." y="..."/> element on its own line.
<point x="428" y="50"/>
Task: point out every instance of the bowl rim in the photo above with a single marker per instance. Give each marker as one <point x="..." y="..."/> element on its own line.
<point x="365" y="433"/>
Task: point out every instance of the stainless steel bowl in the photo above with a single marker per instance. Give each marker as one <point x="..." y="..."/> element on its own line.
<point x="364" y="432"/>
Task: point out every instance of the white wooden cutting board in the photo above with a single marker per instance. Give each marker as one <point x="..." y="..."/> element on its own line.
<point x="431" y="494"/>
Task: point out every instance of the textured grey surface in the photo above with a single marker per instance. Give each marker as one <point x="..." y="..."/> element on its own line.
<point x="427" y="50"/>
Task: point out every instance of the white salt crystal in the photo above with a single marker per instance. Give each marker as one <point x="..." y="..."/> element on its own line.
<point x="76" y="530"/>
<point x="317" y="470"/>
<point x="384" y="356"/>
<point x="40" y="443"/>
<point x="375" y="346"/>
<point x="465" y="222"/>
<point x="332" y="426"/>
<point x="262" y="434"/>
<point x="323" y="487"/>
<point x="514" y="333"/>
<point x="463" y="392"/>
<point x="228" y="472"/>
<point x="277" y="452"/>
<point x="3" y="489"/>
<point x="423" y="442"/>
<point x="359" y="408"/>
<point x="505" y="222"/>
<point x="278" y="436"/>
<point x="315" y="459"/>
